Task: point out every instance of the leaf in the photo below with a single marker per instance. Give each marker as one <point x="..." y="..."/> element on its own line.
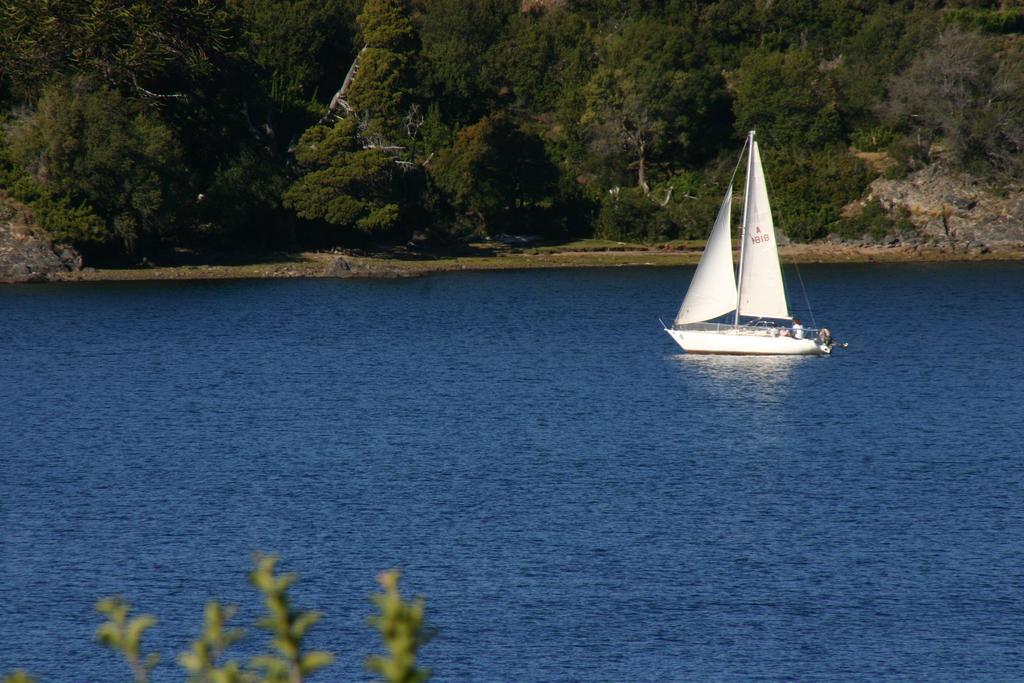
<point x="313" y="661"/>
<point x="136" y="628"/>
<point x="303" y="622"/>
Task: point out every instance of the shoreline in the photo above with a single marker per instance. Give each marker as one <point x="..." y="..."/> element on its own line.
<point x="403" y="263"/>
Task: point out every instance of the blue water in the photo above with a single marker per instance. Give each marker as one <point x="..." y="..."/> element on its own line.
<point x="576" y="500"/>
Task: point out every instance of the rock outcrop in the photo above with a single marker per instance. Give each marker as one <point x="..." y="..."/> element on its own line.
<point x="947" y="205"/>
<point x="341" y="266"/>
<point x="24" y="256"/>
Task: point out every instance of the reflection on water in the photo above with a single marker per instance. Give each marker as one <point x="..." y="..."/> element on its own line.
<point x="737" y="374"/>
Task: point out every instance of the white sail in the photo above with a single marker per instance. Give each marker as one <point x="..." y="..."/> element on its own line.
<point x="761" y="290"/>
<point x="712" y="290"/>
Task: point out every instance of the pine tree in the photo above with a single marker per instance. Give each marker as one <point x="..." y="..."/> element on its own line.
<point x="381" y="90"/>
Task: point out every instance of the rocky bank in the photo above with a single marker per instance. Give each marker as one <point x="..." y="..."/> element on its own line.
<point x="24" y="256"/>
<point x="956" y="207"/>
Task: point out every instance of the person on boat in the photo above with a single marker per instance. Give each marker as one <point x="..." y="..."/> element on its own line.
<point x="798" y="329"/>
<point x="826" y="338"/>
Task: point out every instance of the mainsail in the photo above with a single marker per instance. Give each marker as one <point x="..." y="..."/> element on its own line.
<point x="712" y="291"/>
<point x="762" y="294"/>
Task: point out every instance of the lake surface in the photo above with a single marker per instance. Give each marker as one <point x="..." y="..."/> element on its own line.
<point x="577" y="500"/>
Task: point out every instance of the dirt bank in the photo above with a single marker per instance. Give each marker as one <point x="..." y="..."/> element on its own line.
<point x="406" y="263"/>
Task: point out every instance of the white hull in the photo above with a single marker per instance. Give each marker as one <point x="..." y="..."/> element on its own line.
<point x="744" y="341"/>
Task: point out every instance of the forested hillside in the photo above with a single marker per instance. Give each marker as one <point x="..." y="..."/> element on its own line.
<point x="132" y="127"/>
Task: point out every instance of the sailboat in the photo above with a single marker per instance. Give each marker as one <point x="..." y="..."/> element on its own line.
<point x="744" y="313"/>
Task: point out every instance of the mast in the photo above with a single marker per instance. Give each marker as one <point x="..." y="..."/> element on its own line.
<point x="743" y="230"/>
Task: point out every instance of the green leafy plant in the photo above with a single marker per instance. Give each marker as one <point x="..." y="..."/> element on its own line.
<point x="287" y="628"/>
<point x="873" y="139"/>
<point x="629" y="216"/>
<point x="124" y="636"/>
<point x="201" y="660"/>
<point x="401" y="624"/>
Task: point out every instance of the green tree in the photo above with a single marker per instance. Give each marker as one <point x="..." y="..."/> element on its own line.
<point x="60" y="220"/>
<point x="354" y="174"/>
<point x="628" y="215"/>
<point x="966" y="93"/>
<point x="299" y="45"/>
<point x="653" y="99"/>
<point x="91" y="145"/>
<point x="242" y="201"/>
<point x="298" y="48"/>
<point x="459" y="41"/>
<point x="343" y="182"/>
<point x="789" y="98"/>
<point x="382" y="87"/>
<point x="539" y="56"/>
<point x="621" y="119"/>
<point x="988" y="19"/>
<point x="887" y="41"/>
<point x="494" y="172"/>
<point x="815" y="25"/>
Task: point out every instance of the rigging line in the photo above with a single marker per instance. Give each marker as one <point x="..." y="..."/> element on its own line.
<point x="792" y="262"/>
<point x="814" y="323"/>
<point x="739" y="160"/>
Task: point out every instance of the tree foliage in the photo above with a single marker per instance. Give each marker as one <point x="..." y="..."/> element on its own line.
<point x="809" y="191"/>
<point x="652" y="98"/>
<point x="628" y="215"/>
<point x="299" y="48"/>
<point x="402" y="626"/>
<point x="385" y="67"/>
<point x="789" y="98"/>
<point x="459" y="43"/>
<point x="491" y="114"/>
<point x="967" y="95"/>
<point x="344" y="184"/>
<point x="241" y="200"/>
<point x="91" y="146"/>
<point x="494" y="171"/>
<point x="154" y="49"/>
<point x="400" y="623"/>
